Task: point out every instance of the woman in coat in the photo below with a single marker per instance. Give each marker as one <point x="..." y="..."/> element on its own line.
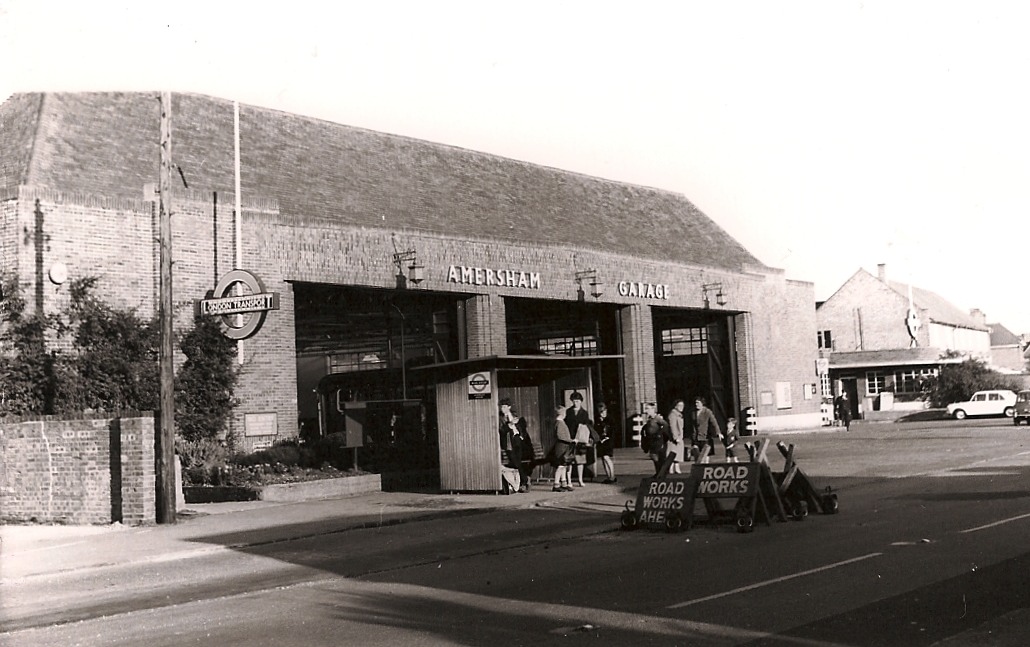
<point x="562" y="453"/>
<point x="676" y="445"/>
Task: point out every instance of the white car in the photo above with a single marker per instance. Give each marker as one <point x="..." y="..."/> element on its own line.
<point x="999" y="402"/>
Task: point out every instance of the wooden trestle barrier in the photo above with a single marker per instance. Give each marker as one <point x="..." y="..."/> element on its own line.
<point x="667" y="501"/>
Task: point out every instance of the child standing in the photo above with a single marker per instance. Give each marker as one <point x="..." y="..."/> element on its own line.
<point x="605" y="443"/>
<point x="730" y="439"/>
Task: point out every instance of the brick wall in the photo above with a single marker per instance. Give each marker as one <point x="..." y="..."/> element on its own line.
<point x="115" y="240"/>
<point x="485" y="317"/>
<point x="81" y="471"/>
<point x="8" y="238"/>
<point x="867" y="314"/>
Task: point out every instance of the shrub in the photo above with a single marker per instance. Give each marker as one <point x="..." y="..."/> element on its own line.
<point x="28" y="369"/>
<point x="203" y="461"/>
<point x="957" y="382"/>
<point x="115" y="363"/>
<point x="206" y="381"/>
<point x="285" y="453"/>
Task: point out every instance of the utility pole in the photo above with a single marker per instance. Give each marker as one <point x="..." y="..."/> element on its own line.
<point x="165" y="445"/>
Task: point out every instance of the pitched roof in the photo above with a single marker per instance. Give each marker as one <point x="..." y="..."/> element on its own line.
<point x="938" y="309"/>
<point x="1002" y="336"/>
<point x="107" y="144"/>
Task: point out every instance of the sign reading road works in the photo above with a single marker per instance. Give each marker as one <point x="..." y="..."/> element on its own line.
<point x="242" y="315"/>
<point x="717" y="480"/>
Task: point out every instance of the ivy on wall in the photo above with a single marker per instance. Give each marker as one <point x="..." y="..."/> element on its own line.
<point x="92" y="357"/>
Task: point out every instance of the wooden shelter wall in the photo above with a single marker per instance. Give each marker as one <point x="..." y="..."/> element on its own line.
<point x="470" y="452"/>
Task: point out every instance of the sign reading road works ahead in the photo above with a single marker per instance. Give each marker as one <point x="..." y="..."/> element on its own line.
<point x="242" y="315"/>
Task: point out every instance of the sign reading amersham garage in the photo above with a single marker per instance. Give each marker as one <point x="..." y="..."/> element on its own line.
<point x="254" y="306"/>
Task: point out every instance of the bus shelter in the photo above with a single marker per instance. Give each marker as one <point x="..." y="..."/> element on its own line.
<point x="468" y="393"/>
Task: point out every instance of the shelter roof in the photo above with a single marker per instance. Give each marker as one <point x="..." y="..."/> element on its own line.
<point x="881" y="358"/>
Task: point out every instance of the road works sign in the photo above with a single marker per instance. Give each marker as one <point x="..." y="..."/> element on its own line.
<point x="658" y="498"/>
<point x="725" y="479"/>
<point x="243" y="314"/>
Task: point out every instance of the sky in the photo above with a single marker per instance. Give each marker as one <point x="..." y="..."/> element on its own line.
<point x="824" y="136"/>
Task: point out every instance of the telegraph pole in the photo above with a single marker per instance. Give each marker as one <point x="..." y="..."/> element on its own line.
<point x="165" y="445"/>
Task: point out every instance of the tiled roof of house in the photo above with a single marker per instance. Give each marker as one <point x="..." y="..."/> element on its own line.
<point x="107" y="144"/>
<point x="939" y="309"/>
<point x="1002" y="336"/>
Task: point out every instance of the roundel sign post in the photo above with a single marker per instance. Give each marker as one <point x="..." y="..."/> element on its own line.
<point x="479" y="386"/>
<point x="253" y="306"/>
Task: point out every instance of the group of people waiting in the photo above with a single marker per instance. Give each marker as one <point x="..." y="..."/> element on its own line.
<point x="577" y="436"/>
<point x="662" y="439"/>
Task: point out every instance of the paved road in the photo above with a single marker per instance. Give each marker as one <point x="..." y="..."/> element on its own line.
<point x="929" y="547"/>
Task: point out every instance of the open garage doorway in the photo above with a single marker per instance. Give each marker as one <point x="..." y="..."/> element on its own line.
<point x="356" y="349"/>
<point x="695" y="355"/>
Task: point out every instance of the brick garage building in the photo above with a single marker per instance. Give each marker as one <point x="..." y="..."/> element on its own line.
<point x="515" y="258"/>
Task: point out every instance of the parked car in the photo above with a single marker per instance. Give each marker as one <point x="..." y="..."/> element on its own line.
<point x="1022" y="412"/>
<point x="998" y="402"/>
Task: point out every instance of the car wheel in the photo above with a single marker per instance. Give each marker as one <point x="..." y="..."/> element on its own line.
<point x="959" y="414"/>
<point x="1009" y="412"/>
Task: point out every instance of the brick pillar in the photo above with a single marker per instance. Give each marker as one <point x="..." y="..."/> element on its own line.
<point x="138" y="481"/>
<point x="486" y="326"/>
<point x="745" y="361"/>
<point x="638" y="346"/>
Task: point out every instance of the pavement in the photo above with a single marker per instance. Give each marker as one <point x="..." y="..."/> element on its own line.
<point x="36" y="551"/>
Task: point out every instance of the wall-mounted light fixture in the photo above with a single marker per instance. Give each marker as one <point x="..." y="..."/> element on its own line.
<point x="720" y="298"/>
<point x="407" y="261"/>
<point x="595" y="286"/>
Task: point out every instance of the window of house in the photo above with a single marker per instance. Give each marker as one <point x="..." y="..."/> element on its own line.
<point x="874" y="382"/>
<point x="685" y="341"/>
<point x="825" y="340"/>
<point x="912" y="381"/>
<point x="824" y="385"/>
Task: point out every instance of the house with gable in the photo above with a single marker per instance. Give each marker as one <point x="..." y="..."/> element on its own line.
<point x="1006" y="350"/>
<point x="879" y="340"/>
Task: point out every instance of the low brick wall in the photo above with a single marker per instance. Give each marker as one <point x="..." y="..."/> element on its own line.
<point x="322" y="488"/>
<point x="90" y="470"/>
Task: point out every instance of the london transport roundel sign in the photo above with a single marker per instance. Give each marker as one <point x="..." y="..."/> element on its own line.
<point x="479" y="386"/>
<point x="242" y="315"/>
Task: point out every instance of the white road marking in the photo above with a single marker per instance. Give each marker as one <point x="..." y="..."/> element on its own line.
<point x="993" y="524"/>
<point x="773" y="581"/>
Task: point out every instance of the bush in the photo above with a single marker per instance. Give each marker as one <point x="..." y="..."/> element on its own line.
<point x="203" y="461"/>
<point x="284" y="453"/>
<point x="958" y="382"/>
<point x="206" y="381"/>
